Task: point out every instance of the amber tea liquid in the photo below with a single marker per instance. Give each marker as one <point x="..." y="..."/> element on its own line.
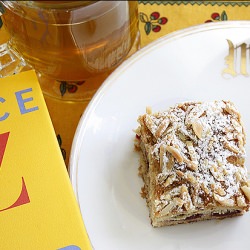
<point x="73" y="45"/>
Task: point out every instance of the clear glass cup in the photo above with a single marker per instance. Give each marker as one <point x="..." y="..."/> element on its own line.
<point x="10" y="62"/>
<point x="72" y="45"/>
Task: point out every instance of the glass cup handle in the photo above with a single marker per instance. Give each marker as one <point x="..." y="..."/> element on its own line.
<point x="10" y="62"/>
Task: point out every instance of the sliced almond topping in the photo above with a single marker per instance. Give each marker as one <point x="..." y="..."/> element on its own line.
<point x="223" y="201"/>
<point x="185" y="196"/>
<point x="165" y="197"/>
<point x="246" y="191"/>
<point x="178" y="201"/>
<point x="175" y="152"/>
<point x="191" y="179"/>
<point x="189" y="144"/>
<point x="229" y="129"/>
<point x="248" y="183"/>
<point x="149" y="110"/>
<point x="161" y="178"/>
<point x="191" y="151"/>
<point x="220" y="191"/>
<point x="198" y="129"/>
<point x="229" y="136"/>
<point x="194" y="114"/>
<point x="241" y="201"/>
<point x="225" y="172"/>
<point x="212" y="186"/>
<point x="214" y="168"/>
<point x="238" y="176"/>
<point x="237" y="126"/>
<point x="169" y="180"/>
<point x="216" y="174"/>
<point x="182" y="136"/>
<point x="240" y="142"/>
<point x="179" y="173"/>
<point x="210" y="144"/>
<point x="162" y="156"/>
<point x="235" y="160"/>
<point x="184" y="189"/>
<point x="204" y="188"/>
<point x="162" y="127"/>
<point x="206" y="162"/>
<point x="167" y="209"/>
<point x="170" y="163"/>
<point x="220" y="164"/>
<point x="149" y="123"/>
<point x="190" y="164"/>
<point x="187" y="134"/>
<point x="231" y="147"/>
<point x="231" y="109"/>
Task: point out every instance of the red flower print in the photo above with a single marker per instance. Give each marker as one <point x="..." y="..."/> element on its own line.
<point x="153" y="22"/>
<point x="71" y="87"/>
<point x="215" y="16"/>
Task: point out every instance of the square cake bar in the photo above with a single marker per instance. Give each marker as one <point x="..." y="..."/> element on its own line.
<point x="192" y="163"/>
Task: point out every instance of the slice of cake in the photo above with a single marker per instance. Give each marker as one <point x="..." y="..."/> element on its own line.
<point x="192" y="163"/>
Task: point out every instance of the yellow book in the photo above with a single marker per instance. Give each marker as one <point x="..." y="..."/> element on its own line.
<point x="38" y="209"/>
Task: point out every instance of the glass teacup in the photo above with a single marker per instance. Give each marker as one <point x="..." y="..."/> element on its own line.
<point x="72" y="45"/>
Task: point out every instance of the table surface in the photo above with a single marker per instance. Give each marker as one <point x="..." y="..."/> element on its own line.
<point x="156" y="19"/>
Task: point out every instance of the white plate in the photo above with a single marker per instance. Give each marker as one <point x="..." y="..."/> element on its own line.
<point x="187" y="65"/>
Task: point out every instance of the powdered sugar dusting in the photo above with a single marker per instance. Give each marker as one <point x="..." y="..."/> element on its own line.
<point x="206" y="137"/>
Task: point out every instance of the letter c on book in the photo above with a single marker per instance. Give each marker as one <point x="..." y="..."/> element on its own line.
<point x="5" y="116"/>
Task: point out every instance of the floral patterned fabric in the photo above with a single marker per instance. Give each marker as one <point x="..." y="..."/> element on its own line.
<point x="178" y="15"/>
<point x="156" y="19"/>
